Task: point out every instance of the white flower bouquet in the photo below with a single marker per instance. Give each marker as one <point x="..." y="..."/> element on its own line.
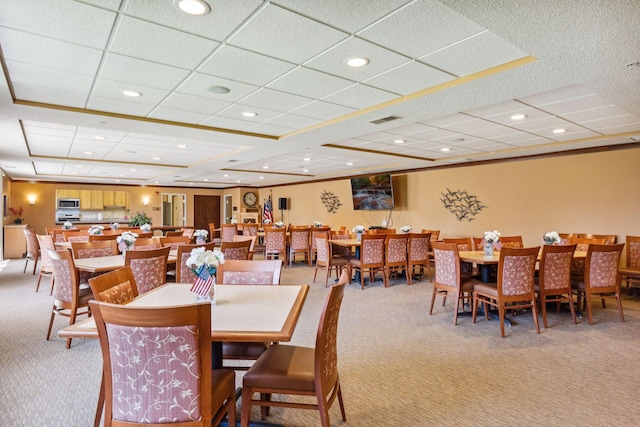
<point x="145" y="228"/>
<point x="201" y="258"/>
<point x="234" y="220"/>
<point x="127" y="238"/>
<point x="491" y="236"/>
<point x="201" y="234"/>
<point x="96" y="229"/>
<point x="67" y="225"/>
<point x="405" y="229"/>
<point x="358" y="229"/>
<point x="267" y="221"/>
<point x="551" y="237"/>
<point x="317" y="224"/>
<point x="279" y="224"/>
<point x="115" y="226"/>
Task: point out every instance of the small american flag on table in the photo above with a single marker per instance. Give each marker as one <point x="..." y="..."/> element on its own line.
<point x="203" y="283"/>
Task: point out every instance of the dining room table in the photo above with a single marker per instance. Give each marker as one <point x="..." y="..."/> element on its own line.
<point x="104" y="264"/>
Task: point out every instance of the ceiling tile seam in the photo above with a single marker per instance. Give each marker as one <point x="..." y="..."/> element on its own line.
<point x="105" y="161"/>
<point x="261" y="172"/>
<point x="383" y="153"/>
<point x="583" y="125"/>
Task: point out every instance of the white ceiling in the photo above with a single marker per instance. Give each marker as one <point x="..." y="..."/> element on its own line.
<point x="452" y="72"/>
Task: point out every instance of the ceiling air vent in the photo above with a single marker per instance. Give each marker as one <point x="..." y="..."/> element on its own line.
<point x="231" y="161"/>
<point x="384" y="120"/>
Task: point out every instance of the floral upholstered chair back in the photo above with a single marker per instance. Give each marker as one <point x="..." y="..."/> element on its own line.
<point x="418" y="249"/>
<point x="228" y="231"/>
<point x="115" y="287"/>
<point x="326" y="350"/>
<point x="248" y="278"/>
<point x="555" y="267"/>
<point x="249" y="229"/>
<point x="145" y="244"/>
<point x="33" y="247"/>
<point x="511" y="242"/>
<point x="322" y="248"/>
<point x="603" y="262"/>
<point x="149" y="268"/>
<point x="372" y="251"/>
<point x="275" y="239"/>
<point x="236" y="250"/>
<point x="516" y="275"/>
<point x="633" y="252"/>
<point x="582" y="245"/>
<point x="299" y="239"/>
<point x="447" y="263"/>
<point x="396" y="248"/>
<point x="258" y="272"/>
<point x="45" y="242"/>
<point x="66" y="280"/>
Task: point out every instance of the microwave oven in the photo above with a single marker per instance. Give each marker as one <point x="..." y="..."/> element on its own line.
<point x="68" y="203"/>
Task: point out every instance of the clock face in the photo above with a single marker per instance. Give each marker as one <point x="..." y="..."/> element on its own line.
<point x="250" y="198"/>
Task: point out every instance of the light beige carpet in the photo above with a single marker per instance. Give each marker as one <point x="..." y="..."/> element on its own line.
<point x="398" y="365"/>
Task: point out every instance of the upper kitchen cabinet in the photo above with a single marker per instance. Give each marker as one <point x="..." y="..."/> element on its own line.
<point x="91" y="200"/>
<point x="119" y="199"/>
<point x="68" y="194"/>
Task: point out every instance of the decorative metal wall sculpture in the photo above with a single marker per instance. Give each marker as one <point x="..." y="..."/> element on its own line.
<point x="461" y="204"/>
<point x="330" y="201"/>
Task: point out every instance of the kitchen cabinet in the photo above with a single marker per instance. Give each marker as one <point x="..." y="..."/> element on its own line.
<point x="91" y="200"/>
<point x="85" y="199"/>
<point x="116" y="198"/>
<point x="68" y="194"/>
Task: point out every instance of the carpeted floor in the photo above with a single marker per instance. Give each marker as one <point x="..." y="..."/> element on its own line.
<point x="398" y="365"/>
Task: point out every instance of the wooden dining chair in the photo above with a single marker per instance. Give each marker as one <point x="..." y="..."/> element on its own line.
<point x="149" y="267"/>
<point x="96" y="249"/>
<point x="553" y="283"/>
<point x="449" y="281"/>
<point x="509" y="242"/>
<point x="228" y="231"/>
<point x="601" y="279"/>
<point x="116" y="286"/>
<point x="582" y="245"/>
<point x="179" y="387"/>
<point x="183" y="273"/>
<point x="33" y="249"/>
<point x="395" y="256"/>
<point x="314" y="250"/>
<point x="173" y="233"/>
<point x="236" y="249"/>
<point x="371" y="257"/>
<point x="631" y="272"/>
<point x="300" y="243"/>
<point x="76" y="235"/>
<point x="609" y="239"/>
<point x="174" y="241"/>
<point x="213" y="233"/>
<point x="70" y="298"/>
<point x="418" y="248"/>
<point x="515" y="287"/>
<point x="275" y="241"/>
<point x="464" y="244"/>
<point x="435" y="234"/>
<point x="46" y="265"/>
<point x="325" y="258"/>
<point x="339" y="251"/>
<point x="145" y="244"/>
<point x="295" y="370"/>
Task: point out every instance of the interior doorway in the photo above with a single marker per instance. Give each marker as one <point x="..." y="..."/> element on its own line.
<point x="206" y="209"/>
<point x="228" y="208"/>
<point x="174" y="210"/>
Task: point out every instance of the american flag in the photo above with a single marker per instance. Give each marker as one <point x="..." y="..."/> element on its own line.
<point x="203" y="283"/>
<point x="268" y="210"/>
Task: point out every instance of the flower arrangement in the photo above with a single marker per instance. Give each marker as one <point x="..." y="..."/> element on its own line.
<point x="127" y="239"/>
<point x="405" y="229"/>
<point x="317" y="224"/>
<point x="139" y="219"/>
<point x="96" y="229"/>
<point x="267" y="221"/>
<point x="234" y="220"/>
<point x="201" y="234"/>
<point x="205" y="259"/>
<point x="358" y="229"/>
<point x="491" y="236"/>
<point x="279" y="224"/>
<point x="18" y="213"/>
<point x="145" y="228"/>
<point x="67" y="225"/>
<point x="551" y="237"/>
<point x="115" y="226"/>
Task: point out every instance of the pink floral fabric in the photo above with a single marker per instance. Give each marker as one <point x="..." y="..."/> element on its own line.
<point x="557" y="271"/>
<point x="247" y="278"/>
<point x="236" y="253"/>
<point x="511" y="245"/>
<point x="249" y="230"/>
<point x="33" y="247"/>
<point x="142" y="247"/>
<point x="118" y="294"/>
<point x="275" y="241"/>
<point x="46" y="243"/>
<point x="372" y="251"/>
<point x="300" y="240"/>
<point x="186" y="274"/>
<point x="634" y="255"/>
<point x="418" y="249"/>
<point x="396" y="250"/>
<point x="156" y="373"/>
<point x="64" y="287"/>
<point x="228" y="233"/>
<point x="446" y="268"/>
<point x="322" y="253"/>
<point x="341" y="250"/>
<point x="603" y="270"/>
<point x="83" y="238"/>
<point x="518" y="275"/>
<point x="149" y="273"/>
<point x="94" y="252"/>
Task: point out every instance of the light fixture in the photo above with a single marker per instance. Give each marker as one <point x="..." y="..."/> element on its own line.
<point x="249" y="114"/>
<point x="357" y="62"/>
<point x="217" y="89"/>
<point x="349" y="163"/>
<point x="445" y="149"/>
<point x="399" y="141"/>
<point x="265" y="167"/>
<point x="193" y="7"/>
<point x="560" y="130"/>
<point x="88" y="152"/>
<point x="145" y="201"/>
<point x="305" y="170"/>
<point x="100" y="137"/>
<point x="132" y="93"/>
<point x="262" y="177"/>
<point x="156" y="158"/>
<point x="32" y="199"/>
<point x="518" y="116"/>
<point x="182" y="146"/>
<point x="307" y="159"/>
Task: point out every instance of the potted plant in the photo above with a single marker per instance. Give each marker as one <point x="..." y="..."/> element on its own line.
<point x="18" y="213"/>
<point x="139" y="219"/>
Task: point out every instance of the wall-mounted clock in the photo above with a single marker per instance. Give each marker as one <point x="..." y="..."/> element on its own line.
<point x="250" y="198"/>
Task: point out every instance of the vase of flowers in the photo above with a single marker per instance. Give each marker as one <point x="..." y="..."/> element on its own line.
<point x="405" y="229"/>
<point x="552" y="237"/>
<point x="201" y="236"/>
<point x="96" y="230"/>
<point x="145" y="228"/>
<point x="278" y="224"/>
<point x="317" y="224"/>
<point x="126" y="241"/>
<point x="234" y="220"/>
<point x="67" y="225"/>
<point x="358" y="229"/>
<point x="204" y="264"/>
<point x="115" y="226"/>
<point x="490" y="237"/>
<point x="18" y="213"/>
<point x="267" y="221"/>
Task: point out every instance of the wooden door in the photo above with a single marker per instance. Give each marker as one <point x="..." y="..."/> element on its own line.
<point x="206" y="209"/>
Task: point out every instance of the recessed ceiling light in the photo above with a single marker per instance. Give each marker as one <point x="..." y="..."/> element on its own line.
<point x="357" y="61"/>
<point x="117" y="180"/>
<point x="225" y="175"/>
<point x="74" y="173"/>
<point x="349" y="163"/>
<point x="156" y="182"/>
<point x="249" y="114"/>
<point x="88" y="152"/>
<point x="206" y="179"/>
<point x="305" y="170"/>
<point x="399" y="141"/>
<point x="561" y="130"/>
<point x="307" y="159"/>
<point x="238" y="182"/>
<point x="265" y="167"/>
<point x="262" y="177"/>
<point x="156" y="158"/>
<point x="78" y="166"/>
<point x="132" y="93"/>
<point x="122" y="176"/>
<point x="217" y="89"/>
<point x="193" y="7"/>
<point x="100" y="137"/>
<point x="445" y="149"/>
<point x="132" y="170"/>
<point x="518" y="117"/>
<point x="182" y="146"/>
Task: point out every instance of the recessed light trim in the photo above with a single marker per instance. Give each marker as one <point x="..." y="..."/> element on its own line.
<point x="193" y="7"/>
<point x="307" y="159"/>
<point x="131" y="93"/>
<point x="100" y="137"/>
<point x="357" y="61"/>
<point x="400" y="141"/>
<point x="182" y="146"/>
<point x="445" y="149"/>
<point x="560" y="130"/>
<point x="349" y="163"/>
<point x="249" y="114"/>
<point x="517" y="117"/>
<point x="88" y="152"/>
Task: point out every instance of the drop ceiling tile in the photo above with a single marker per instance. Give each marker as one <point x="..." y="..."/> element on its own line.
<point x="31" y="78"/>
<point x="434" y="133"/>
<point x="585" y="117"/>
<point x="480" y="52"/>
<point x="293" y="121"/>
<point x="298" y="82"/>
<point x="275" y="100"/>
<point x="226" y="123"/>
<point x="493" y="132"/>
<point x="409" y="129"/>
<point x="174" y="115"/>
<point x="275" y="32"/>
<point x="155" y="43"/>
<point x="541" y="124"/>
<point x="360" y="96"/>
<point x="83" y="24"/>
<point x="579" y="134"/>
<point x="198" y="82"/>
<point x="323" y="110"/>
<point x="235" y="112"/>
<point x="515" y="137"/>
<point x="113" y="89"/>
<point x="196" y="104"/>
<point x="137" y="71"/>
<point x="531" y="114"/>
<point x="574" y="105"/>
<point x="608" y="122"/>
<point x="270" y="129"/>
<point x="470" y="126"/>
<point x="505" y="108"/>
<point x="532" y="142"/>
<point x="448" y="120"/>
<point x="245" y="66"/>
<point x="119" y="106"/>
<point x="426" y="27"/>
<point x="606" y="130"/>
<point x="557" y="95"/>
<point x="409" y="78"/>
